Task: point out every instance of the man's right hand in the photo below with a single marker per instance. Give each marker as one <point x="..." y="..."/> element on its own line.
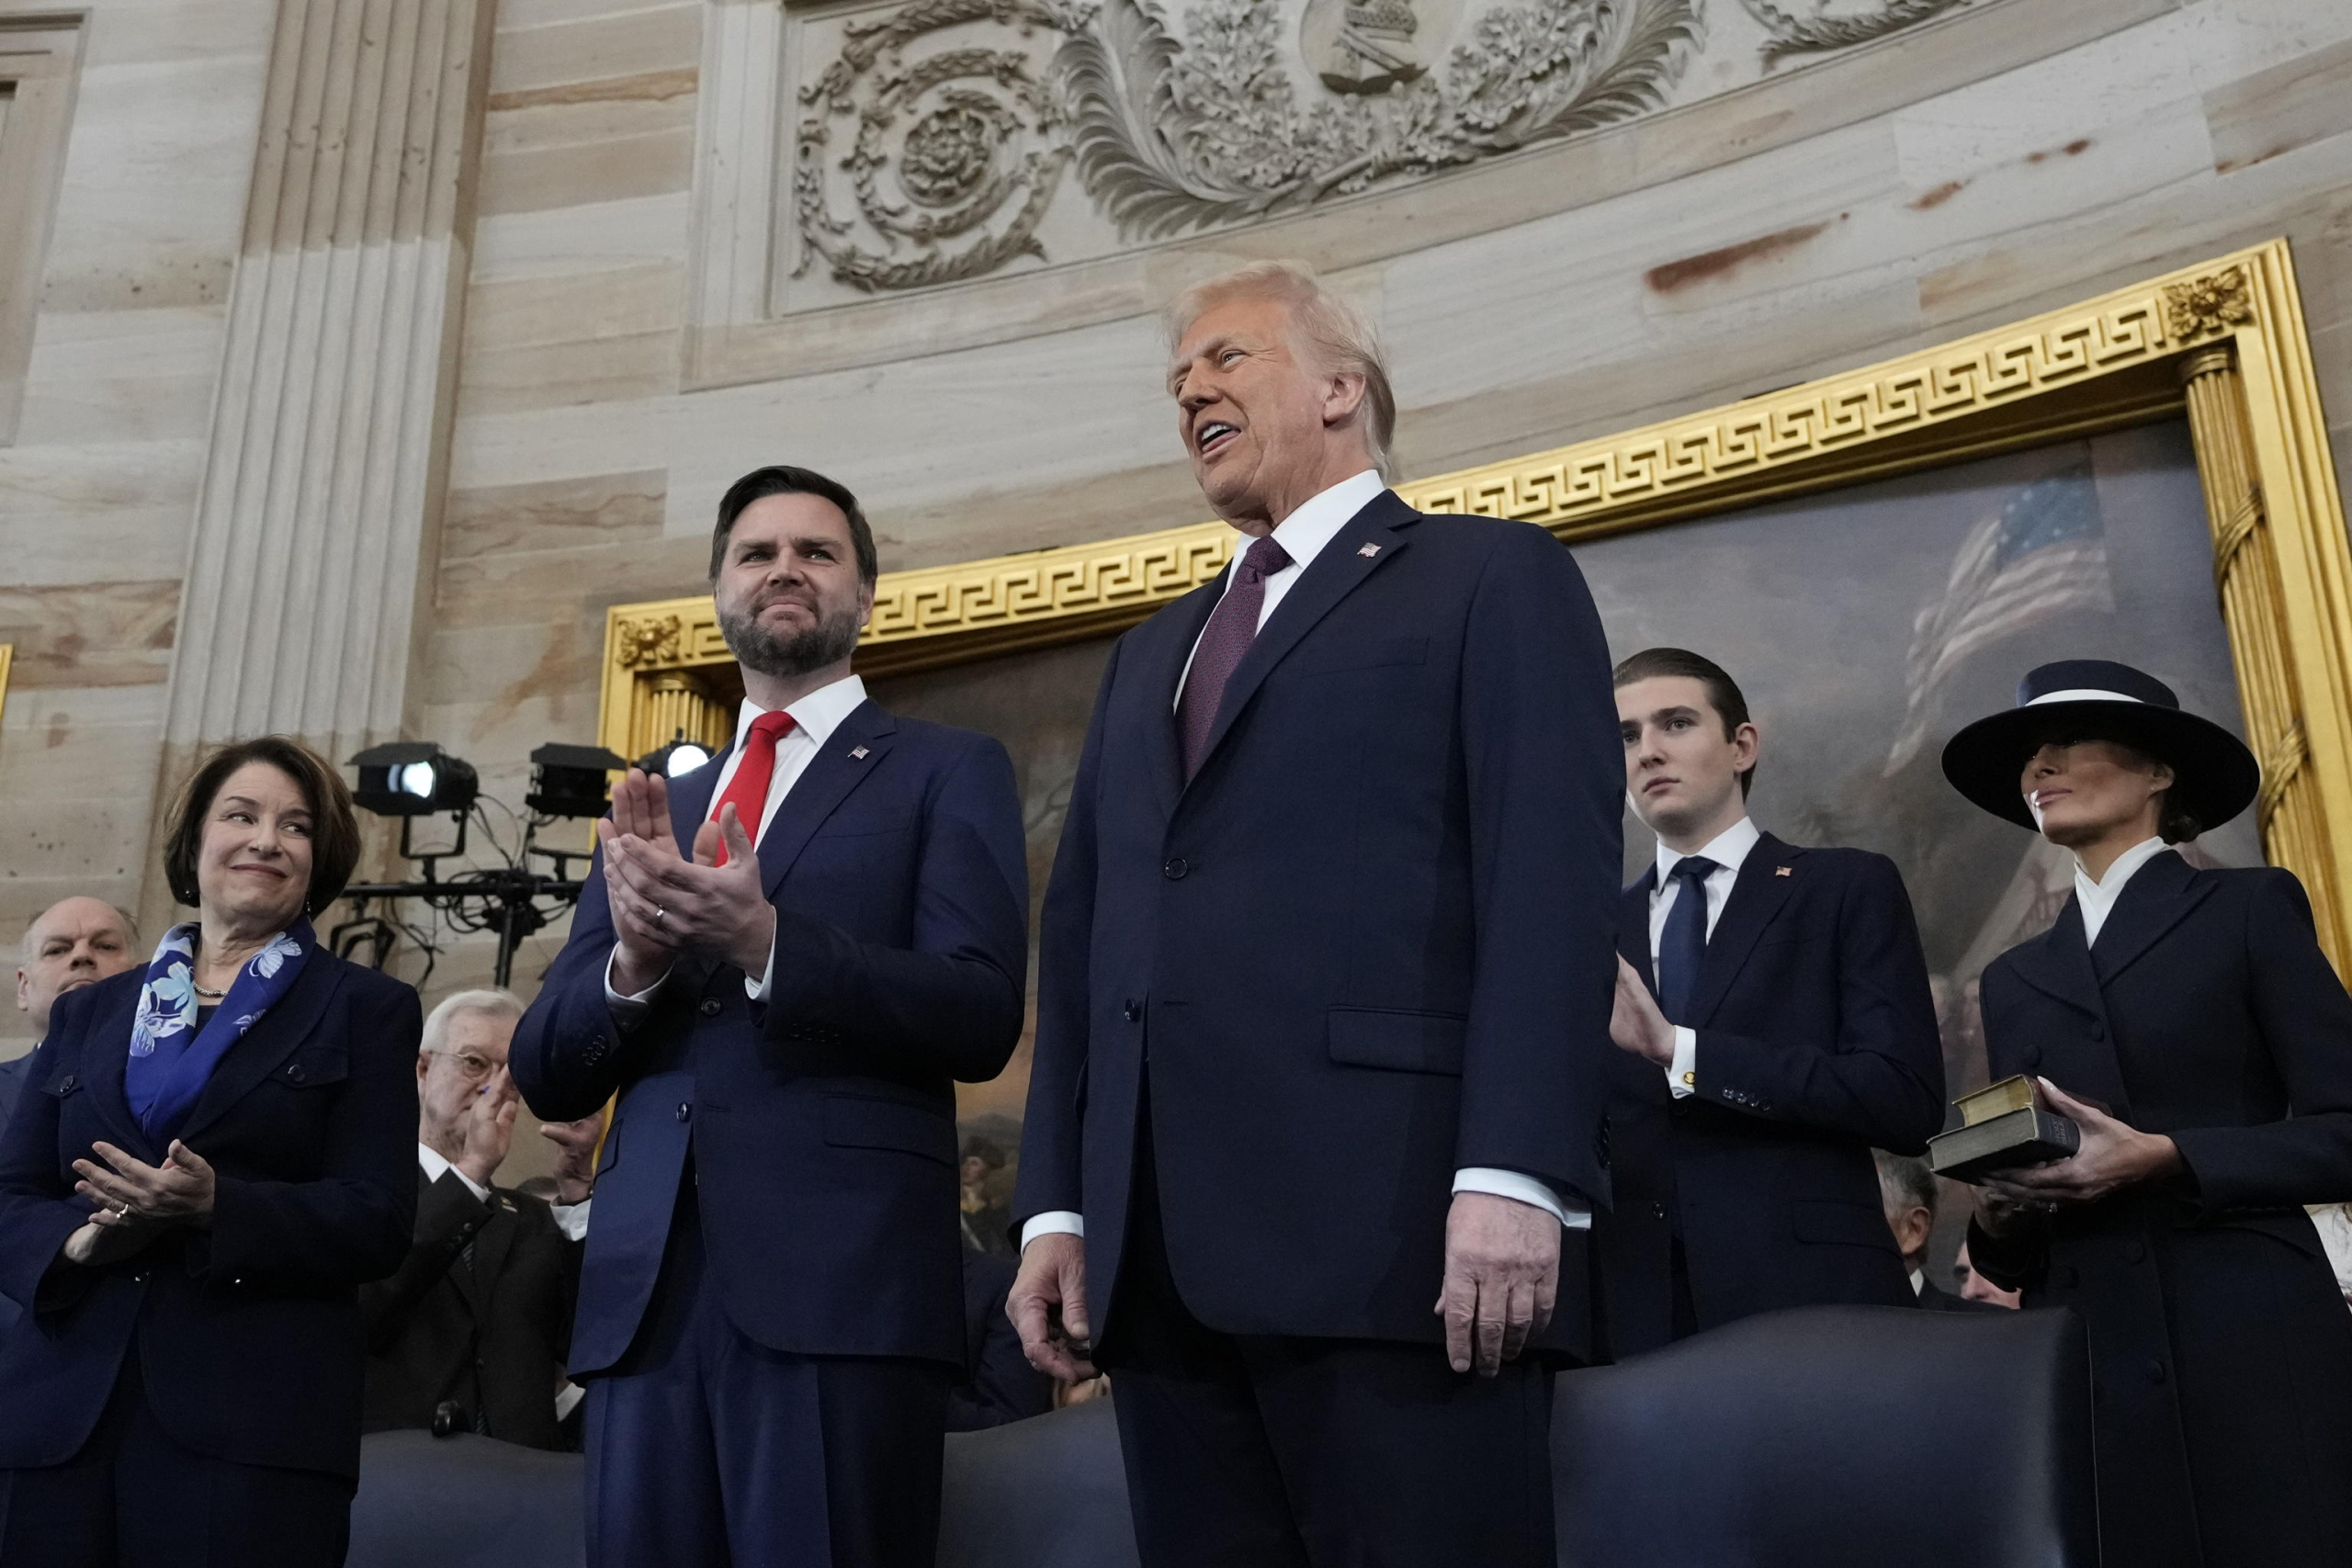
<point x="486" y="1128"/>
<point x="641" y="811"/>
<point x="1047" y="1305"/>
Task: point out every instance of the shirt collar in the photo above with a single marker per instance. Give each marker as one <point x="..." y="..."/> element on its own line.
<point x="818" y="714"/>
<point x="1727" y="849"/>
<point x="2108" y="888"/>
<point x="1304" y="532"/>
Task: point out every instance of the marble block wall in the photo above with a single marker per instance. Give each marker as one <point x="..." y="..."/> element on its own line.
<point x="636" y="330"/>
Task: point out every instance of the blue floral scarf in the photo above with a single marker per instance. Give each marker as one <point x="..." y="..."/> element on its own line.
<point x="171" y="1057"/>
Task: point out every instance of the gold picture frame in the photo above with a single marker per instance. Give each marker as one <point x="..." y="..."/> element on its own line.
<point x="2223" y="343"/>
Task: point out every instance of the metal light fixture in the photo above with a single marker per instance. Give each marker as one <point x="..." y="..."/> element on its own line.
<point x="680" y="756"/>
<point x="571" y="781"/>
<point x="413" y="778"/>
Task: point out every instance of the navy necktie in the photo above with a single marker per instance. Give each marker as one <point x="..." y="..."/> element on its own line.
<point x="1682" y="947"/>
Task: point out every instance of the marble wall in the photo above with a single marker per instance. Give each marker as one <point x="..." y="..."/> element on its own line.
<point x="1767" y="222"/>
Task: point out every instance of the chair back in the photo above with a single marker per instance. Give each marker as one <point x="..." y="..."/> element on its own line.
<point x="1825" y="1437"/>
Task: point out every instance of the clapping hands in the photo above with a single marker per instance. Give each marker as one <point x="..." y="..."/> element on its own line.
<point x="664" y="903"/>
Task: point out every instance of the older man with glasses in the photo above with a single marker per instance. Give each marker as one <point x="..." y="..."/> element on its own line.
<point x="470" y="1334"/>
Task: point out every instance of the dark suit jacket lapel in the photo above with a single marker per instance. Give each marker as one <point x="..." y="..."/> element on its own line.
<point x="2058" y="963"/>
<point x="847" y="759"/>
<point x="267" y="1044"/>
<point x="1633" y="926"/>
<point x="1160" y="658"/>
<point x="1334" y="573"/>
<point x="1757" y="895"/>
<point x="2158" y="897"/>
<point x="103" y="1077"/>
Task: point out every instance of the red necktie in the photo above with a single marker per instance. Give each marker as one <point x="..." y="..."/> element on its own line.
<point x="747" y="790"/>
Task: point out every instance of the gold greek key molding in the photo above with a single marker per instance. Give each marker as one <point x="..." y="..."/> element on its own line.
<point x="2232" y="326"/>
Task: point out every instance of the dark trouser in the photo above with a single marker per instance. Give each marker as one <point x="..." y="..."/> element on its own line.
<point x="705" y="1448"/>
<point x="135" y="1498"/>
<point x="1249" y="1451"/>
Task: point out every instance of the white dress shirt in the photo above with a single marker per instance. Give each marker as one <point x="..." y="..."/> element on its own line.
<point x="1302" y="535"/>
<point x="814" y="720"/>
<point x="2097" y="898"/>
<point x="430" y="1158"/>
<point x="1729" y="849"/>
<point x="572" y="1219"/>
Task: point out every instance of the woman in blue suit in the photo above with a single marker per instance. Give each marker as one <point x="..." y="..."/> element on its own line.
<point x="211" y="1155"/>
<point x="2187" y="1022"/>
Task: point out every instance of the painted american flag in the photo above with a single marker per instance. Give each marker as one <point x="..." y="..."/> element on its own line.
<point x="2043" y="554"/>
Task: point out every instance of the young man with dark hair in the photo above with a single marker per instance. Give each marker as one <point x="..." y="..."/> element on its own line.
<point x="1773" y="1012"/>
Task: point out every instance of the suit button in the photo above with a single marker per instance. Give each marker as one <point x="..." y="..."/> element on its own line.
<point x="684" y="1110"/>
<point x="1133" y="1011"/>
<point x="2156" y="1373"/>
<point x="294" y="1071"/>
<point x="710" y="1006"/>
<point x="2031" y="1056"/>
<point x="140" y="1278"/>
<point x="1175" y="869"/>
<point x="595" y="1042"/>
<point x="1658" y="1210"/>
<point x="65" y="1085"/>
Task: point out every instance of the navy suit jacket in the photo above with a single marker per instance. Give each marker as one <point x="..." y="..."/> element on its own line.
<point x="12" y="1084"/>
<point x="247" y="1331"/>
<point x="1818" y="1043"/>
<point x="1367" y="945"/>
<point x="820" y="1125"/>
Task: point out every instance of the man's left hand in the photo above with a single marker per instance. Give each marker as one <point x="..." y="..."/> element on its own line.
<point x="719" y="910"/>
<point x="1635" y="1022"/>
<point x="2112" y="1154"/>
<point x="1502" y="1272"/>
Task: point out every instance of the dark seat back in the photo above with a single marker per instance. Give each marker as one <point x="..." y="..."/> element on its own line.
<point x="1825" y="1437"/>
<point x="1045" y="1493"/>
<point x="464" y="1502"/>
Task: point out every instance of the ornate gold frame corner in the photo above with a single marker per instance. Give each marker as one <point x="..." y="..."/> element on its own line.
<point x="2222" y="341"/>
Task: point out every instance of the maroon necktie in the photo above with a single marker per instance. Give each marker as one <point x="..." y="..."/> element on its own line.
<point x="1233" y="626"/>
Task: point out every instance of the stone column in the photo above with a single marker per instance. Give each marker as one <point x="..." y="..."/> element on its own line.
<point x="313" y="536"/>
<point x="2246" y="573"/>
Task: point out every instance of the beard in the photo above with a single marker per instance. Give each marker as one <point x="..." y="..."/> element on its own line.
<point x="829" y="641"/>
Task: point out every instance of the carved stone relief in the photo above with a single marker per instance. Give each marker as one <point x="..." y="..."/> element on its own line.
<point x="941" y="140"/>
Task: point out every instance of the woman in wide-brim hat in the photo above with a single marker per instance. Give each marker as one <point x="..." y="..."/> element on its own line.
<point x="2189" y="1023"/>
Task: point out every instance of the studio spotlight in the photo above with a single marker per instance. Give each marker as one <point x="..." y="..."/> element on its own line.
<point x="680" y="756"/>
<point x="413" y="778"/>
<point x="571" y="781"/>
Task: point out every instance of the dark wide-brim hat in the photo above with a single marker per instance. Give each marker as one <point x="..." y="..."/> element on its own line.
<point x="2214" y="775"/>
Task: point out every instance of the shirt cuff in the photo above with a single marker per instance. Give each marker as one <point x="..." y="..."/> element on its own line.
<point x="1524" y="1188"/>
<point x="481" y="1193"/>
<point x="572" y="1219"/>
<point x="567" y="1400"/>
<point x="758" y="989"/>
<point x="1053" y="1221"/>
<point x="628" y="1009"/>
<point x="1682" y="1073"/>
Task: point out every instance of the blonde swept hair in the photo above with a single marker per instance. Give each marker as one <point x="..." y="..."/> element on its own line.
<point x="1332" y="331"/>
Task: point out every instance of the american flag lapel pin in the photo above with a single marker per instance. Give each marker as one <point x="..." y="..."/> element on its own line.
<point x="858" y="754"/>
<point x="1780" y="871"/>
<point x="1368" y="551"/>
